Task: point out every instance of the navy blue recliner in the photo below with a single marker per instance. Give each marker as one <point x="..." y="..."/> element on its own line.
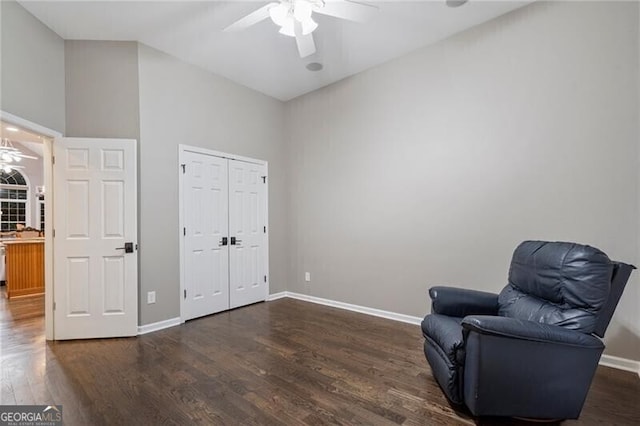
<point x="532" y="350"/>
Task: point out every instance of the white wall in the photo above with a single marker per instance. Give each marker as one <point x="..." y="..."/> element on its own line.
<point x="182" y="104"/>
<point x="31" y="68"/>
<point x="430" y="169"/>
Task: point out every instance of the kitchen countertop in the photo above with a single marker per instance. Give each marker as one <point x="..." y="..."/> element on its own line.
<point x="23" y="241"/>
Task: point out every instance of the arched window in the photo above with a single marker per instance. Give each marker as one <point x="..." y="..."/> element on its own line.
<point x="13" y="200"/>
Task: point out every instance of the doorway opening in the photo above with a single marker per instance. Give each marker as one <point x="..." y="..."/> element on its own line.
<point x="25" y="200"/>
<point x="85" y="166"/>
<point x="23" y="221"/>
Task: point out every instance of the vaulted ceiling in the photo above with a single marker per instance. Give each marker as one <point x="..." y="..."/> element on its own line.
<point x="259" y="57"/>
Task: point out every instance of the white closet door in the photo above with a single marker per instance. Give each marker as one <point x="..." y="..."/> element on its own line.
<point x="205" y="189"/>
<point x="247" y="221"/>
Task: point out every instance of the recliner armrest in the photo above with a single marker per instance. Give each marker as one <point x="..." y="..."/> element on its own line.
<point x="528" y="330"/>
<point x="460" y="302"/>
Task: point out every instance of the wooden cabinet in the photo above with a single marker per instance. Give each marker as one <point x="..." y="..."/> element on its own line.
<point x="24" y="267"/>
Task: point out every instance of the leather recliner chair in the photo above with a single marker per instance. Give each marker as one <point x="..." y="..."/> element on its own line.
<point x="532" y="350"/>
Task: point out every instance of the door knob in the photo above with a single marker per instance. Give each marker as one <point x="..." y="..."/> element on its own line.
<point x="128" y="248"/>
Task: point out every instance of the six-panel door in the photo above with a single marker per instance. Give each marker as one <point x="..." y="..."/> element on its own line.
<point x="95" y="280"/>
<point x="206" y="256"/>
<point x="247" y="224"/>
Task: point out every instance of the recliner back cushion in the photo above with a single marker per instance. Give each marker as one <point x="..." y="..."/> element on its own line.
<point x="557" y="283"/>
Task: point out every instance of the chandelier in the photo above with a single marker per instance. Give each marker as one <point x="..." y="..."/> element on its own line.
<point x="290" y="13"/>
<point x="10" y="157"/>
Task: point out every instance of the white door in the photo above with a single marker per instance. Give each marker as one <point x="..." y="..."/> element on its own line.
<point x="95" y="277"/>
<point x="247" y="233"/>
<point x="206" y="249"/>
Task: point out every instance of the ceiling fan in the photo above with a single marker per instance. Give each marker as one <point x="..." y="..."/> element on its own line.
<point x="295" y="18"/>
<point x="9" y="156"/>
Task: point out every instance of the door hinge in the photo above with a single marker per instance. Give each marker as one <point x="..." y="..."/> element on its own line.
<point x="54" y="306"/>
<point x="53" y="159"/>
<point x="264" y="179"/>
<point x="184" y="168"/>
<point x="185" y="293"/>
<point x="265" y="278"/>
<point x="265" y="229"/>
<point x="54" y="233"/>
<point x="184" y="231"/>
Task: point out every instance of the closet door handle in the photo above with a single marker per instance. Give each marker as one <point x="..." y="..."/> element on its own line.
<point x="223" y="242"/>
<point x="235" y="241"/>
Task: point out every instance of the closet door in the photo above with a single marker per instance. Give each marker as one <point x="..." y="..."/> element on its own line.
<point x="247" y="232"/>
<point x="206" y="254"/>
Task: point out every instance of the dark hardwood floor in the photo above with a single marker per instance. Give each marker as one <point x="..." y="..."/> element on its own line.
<point x="282" y="362"/>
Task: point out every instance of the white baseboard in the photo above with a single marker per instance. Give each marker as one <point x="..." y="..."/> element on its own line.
<point x="349" y="307"/>
<point x="276" y="296"/>
<point x="605" y="360"/>
<point x="620" y="363"/>
<point x="160" y="325"/>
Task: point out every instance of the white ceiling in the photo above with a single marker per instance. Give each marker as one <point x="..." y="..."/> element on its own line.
<point x="259" y="57"/>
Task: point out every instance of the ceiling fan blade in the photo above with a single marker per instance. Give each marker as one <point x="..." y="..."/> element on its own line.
<point x="252" y="18"/>
<point x="306" y="44"/>
<point x="346" y="9"/>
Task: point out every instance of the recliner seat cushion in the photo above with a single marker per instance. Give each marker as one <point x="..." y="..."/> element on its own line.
<point x="564" y="284"/>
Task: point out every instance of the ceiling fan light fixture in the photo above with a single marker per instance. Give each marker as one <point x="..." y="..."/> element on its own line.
<point x="9" y="154"/>
<point x="279" y="14"/>
<point x="302" y="10"/>
<point x="309" y="26"/>
<point x="288" y="28"/>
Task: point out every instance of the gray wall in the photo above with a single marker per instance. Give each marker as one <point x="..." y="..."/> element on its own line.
<point x="102" y="89"/>
<point x="126" y="90"/>
<point x="430" y="169"/>
<point x="426" y="170"/>
<point x="31" y="68"/>
<point x="182" y="104"/>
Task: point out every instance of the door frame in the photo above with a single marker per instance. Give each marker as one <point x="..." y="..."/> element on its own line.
<point x="182" y="149"/>
<point x="47" y="159"/>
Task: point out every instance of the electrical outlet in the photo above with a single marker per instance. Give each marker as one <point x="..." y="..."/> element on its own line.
<point x="307" y="276"/>
<point x="151" y="297"/>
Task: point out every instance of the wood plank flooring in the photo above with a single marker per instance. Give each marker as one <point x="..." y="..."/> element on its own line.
<point x="282" y="362"/>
